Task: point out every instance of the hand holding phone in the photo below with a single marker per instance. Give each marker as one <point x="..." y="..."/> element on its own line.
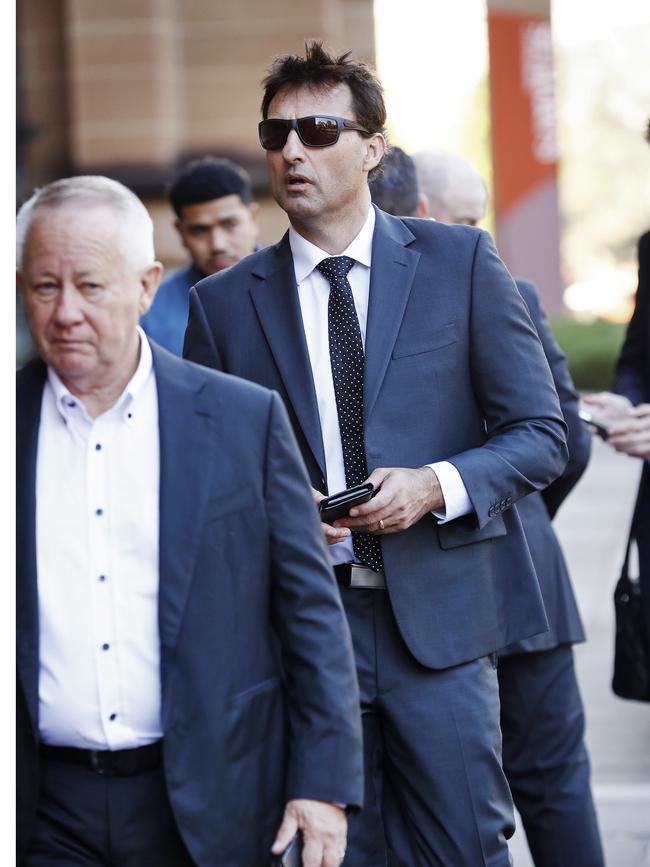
<point x="588" y="418"/>
<point x="339" y="505"/>
<point x="292" y="855"/>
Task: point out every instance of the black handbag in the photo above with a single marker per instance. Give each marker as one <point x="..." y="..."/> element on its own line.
<point x="631" y="677"/>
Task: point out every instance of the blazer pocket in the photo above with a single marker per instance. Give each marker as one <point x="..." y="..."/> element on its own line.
<point x="418" y="344"/>
<point x="451" y="536"/>
<point x="234" y="500"/>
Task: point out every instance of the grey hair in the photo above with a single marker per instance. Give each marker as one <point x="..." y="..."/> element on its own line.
<point x="440" y="173"/>
<point x="93" y="191"/>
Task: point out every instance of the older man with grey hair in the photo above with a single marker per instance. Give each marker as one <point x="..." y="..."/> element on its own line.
<point x="185" y="675"/>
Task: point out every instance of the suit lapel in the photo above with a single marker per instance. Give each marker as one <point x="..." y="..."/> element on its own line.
<point x="187" y="450"/>
<point x="28" y="412"/>
<point x="276" y="301"/>
<point x="391" y="277"/>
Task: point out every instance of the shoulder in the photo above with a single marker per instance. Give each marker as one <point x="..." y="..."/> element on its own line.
<point x="224" y="388"/>
<point x="31" y="376"/>
<point x="528" y="292"/>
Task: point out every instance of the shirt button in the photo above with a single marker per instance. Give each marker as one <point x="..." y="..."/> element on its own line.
<point x="129" y="415"/>
<point x="112" y="717"/>
<point x="102" y="577"/>
<point x="99" y="511"/>
<point x="72" y="404"/>
<point x="105" y="646"/>
<point x="98" y="447"/>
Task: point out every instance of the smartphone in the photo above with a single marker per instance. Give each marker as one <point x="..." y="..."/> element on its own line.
<point x="339" y="505"/>
<point x="292" y="855"/>
<point x="587" y="418"/>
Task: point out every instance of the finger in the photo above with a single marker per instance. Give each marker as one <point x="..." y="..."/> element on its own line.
<point x="378" y="506"/>
<point x="317" y="496"/>
<point x="286" y="833"/>
<point x="333" y="856"/>
<point x="312" y="852"/>
<point x="334" y="534"/>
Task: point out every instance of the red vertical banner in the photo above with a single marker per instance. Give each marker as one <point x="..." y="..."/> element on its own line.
<point x="524" y="145"/>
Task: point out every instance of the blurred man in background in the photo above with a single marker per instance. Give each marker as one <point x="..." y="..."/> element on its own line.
<point x="395" y="189"/>
<point x="455" y="192"/>
<point x="217" y="221"/>
<point x="542" y="716"/>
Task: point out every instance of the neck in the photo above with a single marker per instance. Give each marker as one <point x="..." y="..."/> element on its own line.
<point x="335" y="234"/>
<point x="99" y="397"/>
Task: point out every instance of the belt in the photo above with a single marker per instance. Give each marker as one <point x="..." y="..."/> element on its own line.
<point x="354" y="575"/>
<point x="112" y="763"/>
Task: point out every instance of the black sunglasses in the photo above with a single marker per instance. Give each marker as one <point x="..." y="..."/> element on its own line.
<point x="315" y="131"/>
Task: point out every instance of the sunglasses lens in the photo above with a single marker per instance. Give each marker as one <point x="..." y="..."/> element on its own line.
<point x="273" y="134"/>
<point x="318" y="131"/>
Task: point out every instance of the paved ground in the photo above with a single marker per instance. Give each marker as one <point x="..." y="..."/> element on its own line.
<point x="592" y="526"/>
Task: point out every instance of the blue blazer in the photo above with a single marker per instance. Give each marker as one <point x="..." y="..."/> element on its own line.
<point x="453" y="371"/>
<point x="259" y="694"/>
<point x="166" y="320"/>
<point x="537" y="510"/>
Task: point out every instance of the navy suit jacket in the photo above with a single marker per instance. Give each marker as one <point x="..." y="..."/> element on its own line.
<point x="259" y="693"/>
<point x="537" y="510"/>
<point x="453" y="371"/>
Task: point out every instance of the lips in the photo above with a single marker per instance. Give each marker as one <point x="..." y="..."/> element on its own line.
<point x="296" y="182"/>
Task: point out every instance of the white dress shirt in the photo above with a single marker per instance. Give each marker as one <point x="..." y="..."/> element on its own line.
<point x="313" y="294"/>
<point x="97" y="484"/>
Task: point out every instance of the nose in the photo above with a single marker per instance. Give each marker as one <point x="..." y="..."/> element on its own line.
<point x="293" y="148"/>
<point x="218" y="239"/>
<point x="68" y="308"/>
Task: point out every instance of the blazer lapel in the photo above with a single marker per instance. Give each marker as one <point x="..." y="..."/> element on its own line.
<point x="186" y="425"/>
<point x="276" y="301"/>
<point x="391" y="277"/>
<point x="28" y="413"/>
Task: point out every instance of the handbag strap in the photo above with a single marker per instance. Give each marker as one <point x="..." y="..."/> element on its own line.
<point x="625" y="571"/>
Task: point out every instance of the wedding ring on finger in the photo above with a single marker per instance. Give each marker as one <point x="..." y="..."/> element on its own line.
<point x="381" y="524"/>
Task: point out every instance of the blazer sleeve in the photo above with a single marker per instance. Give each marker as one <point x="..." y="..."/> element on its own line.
<point x="325" y="753"/>
<point x="578" y="437"/>
<point x="631" y="378"/>
<point x="525" y="448"/>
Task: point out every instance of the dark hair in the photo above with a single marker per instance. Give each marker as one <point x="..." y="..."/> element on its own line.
<point x="206" y="179"/>
<point x="319" y="69"/>
<point x="396" y="190"/>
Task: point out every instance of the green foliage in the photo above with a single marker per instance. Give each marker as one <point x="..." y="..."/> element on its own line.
<point x="592" y="349"/>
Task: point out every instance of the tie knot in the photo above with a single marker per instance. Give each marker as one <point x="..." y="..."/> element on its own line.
<point x="335" y="268"/>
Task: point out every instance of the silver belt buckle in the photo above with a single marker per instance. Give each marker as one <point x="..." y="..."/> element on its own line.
<point x="361" y="576"/>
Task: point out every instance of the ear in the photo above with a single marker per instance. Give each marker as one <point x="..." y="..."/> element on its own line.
<point x="423" y="206"/>
<point x="375" y="150"/>
<point x="254" y="209"/>
<point x="149" y="281"/>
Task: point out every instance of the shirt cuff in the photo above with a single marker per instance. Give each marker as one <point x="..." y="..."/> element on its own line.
<point x="457" y="501"/>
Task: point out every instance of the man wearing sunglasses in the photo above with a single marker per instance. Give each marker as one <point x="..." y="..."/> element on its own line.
<point x="406" y="358"/>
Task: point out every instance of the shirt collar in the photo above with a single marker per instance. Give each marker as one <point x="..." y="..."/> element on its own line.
<point x="65" y="400"/>
<point x="306" y="255"/>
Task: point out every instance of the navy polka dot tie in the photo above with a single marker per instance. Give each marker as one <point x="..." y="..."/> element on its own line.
<point x="346" y="358"/>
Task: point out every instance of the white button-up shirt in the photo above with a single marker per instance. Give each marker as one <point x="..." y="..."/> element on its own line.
<point x="97" y="484"/>
<point x="313" y="294"/>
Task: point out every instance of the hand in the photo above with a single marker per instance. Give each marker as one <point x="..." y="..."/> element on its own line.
<point x="324" y="830"/>
<point x="632" y="434"/>
<point x="607" y="408"/>
<point x="332" y="534"/>
<point x="405" y="495"/>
